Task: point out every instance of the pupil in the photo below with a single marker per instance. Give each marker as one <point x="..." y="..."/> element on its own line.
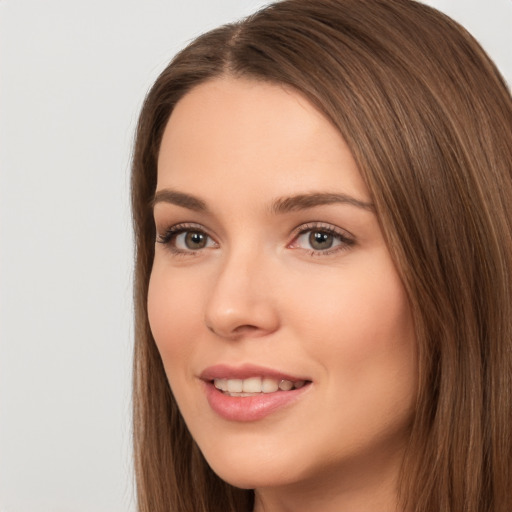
<point x="195" y="240"/>
<point x="320" y="240"/>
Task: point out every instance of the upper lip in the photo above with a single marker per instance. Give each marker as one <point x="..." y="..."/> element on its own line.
<point x="245" y="371"/>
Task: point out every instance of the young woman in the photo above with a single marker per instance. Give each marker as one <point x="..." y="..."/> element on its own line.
<point x="322" y="197"/>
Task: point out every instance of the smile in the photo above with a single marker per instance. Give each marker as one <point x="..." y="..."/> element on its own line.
<point x="255" y="385"/>
<point x="250" y="393"/>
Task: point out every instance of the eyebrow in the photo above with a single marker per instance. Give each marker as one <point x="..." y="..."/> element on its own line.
<point x="279" y="206"/>
<point x="305" y="201"/>
<point x="179" y="199"/>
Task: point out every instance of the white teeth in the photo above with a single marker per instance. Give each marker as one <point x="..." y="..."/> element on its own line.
<point x="235" y="385"/>
<point x="285" y="385"/>
<point x="269" y="386"/>
<point x="253" y="385"/>
<point x="221" y="384"/>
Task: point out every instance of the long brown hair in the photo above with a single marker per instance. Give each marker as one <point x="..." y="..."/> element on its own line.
<point x="428" y="119"/>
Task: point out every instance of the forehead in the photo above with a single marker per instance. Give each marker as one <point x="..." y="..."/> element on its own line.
<point x="241" y="132"/>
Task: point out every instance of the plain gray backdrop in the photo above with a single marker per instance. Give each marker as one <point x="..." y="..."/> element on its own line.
<point x="73" y="75"/>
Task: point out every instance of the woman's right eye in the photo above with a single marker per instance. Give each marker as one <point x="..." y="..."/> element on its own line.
<point x="183" y="239"/>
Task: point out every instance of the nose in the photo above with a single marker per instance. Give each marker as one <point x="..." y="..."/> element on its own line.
<point x="243" y="301"/>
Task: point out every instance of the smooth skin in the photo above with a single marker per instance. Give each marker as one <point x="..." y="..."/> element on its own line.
<point x="308" y="288"/>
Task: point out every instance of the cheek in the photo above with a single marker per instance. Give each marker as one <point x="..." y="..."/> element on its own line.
<point x="366" y="309"/>
<point x="173" y="316"/>
<point x="359" y="327"/>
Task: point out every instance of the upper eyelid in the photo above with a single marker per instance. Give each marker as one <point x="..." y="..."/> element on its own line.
<point x="181" y="227"/>
<point x="320" y="225"/>
<point x="171" y="225"/>
<point x="303" y="226"/>
<point x="184" y="226"/>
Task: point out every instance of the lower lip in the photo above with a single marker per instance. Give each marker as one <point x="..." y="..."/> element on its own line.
<point x="250" y="408"/>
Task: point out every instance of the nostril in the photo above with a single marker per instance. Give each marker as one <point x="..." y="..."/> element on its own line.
<point x="237" y="331"/>
<point x="245" y="329"/>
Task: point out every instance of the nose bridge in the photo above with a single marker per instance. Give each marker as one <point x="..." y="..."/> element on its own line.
<point x="240" y="300"/>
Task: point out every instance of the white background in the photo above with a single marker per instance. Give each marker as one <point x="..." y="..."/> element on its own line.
<point x="73" y="74"/>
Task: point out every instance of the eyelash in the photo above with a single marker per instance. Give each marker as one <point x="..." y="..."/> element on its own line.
<point x="346" y="240"/>
<point x="169" y="237"/>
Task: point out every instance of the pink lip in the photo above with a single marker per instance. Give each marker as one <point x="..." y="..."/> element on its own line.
<point x="250" y="408"/>
<point x="224" y="371"/>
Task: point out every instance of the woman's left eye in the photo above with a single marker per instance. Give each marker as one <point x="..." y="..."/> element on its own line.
<point x="192" y="241"/>
<point x="321" y="240"/>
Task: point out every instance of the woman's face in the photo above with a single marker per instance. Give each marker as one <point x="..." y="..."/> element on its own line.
<point x="271" y="273"/>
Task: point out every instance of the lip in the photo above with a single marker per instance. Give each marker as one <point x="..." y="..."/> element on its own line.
<point x="224" y="371"/>
<point x="249" y="408"/>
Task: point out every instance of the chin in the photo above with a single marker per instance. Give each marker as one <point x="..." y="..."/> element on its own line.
<point x="254" y="478"/>
<point x="254" y="470"/>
